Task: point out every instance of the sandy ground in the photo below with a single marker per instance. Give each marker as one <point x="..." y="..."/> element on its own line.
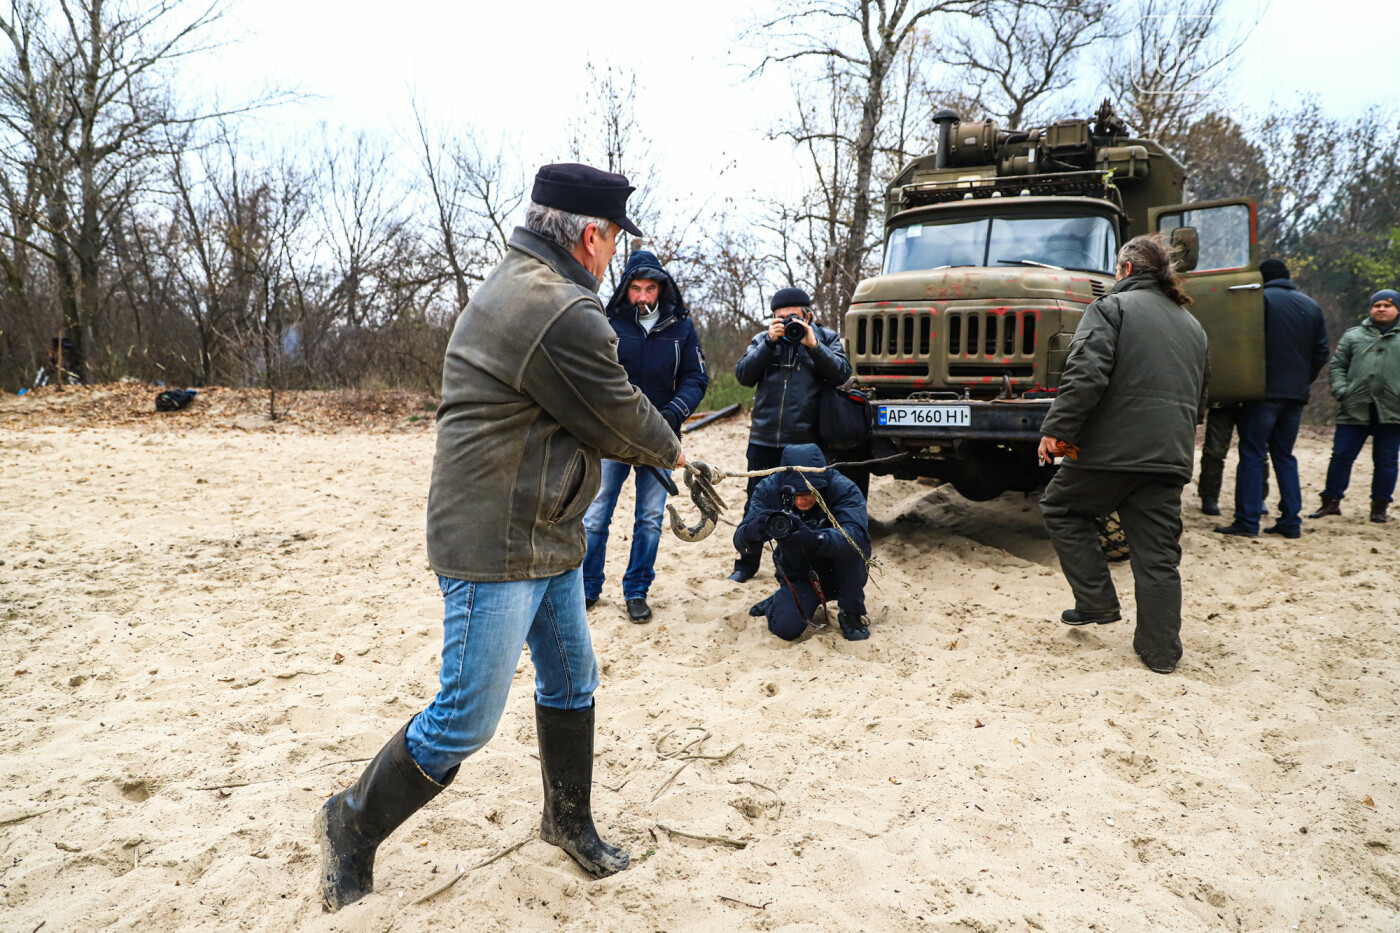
<point x="204" y="619"/>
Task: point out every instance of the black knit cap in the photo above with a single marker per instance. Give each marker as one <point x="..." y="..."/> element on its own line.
<point x="789" y="297"/>
<point x="585" y="190"/>
<point x="1272" y="269"/>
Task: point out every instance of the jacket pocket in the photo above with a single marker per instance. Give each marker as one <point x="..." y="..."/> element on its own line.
<point x="573" y="490"/>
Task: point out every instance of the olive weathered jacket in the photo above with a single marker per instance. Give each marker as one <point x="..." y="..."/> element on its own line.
<point x="1365" y="370"/>
<point x="532" y="396"/>
<point x="1134" y="386"/>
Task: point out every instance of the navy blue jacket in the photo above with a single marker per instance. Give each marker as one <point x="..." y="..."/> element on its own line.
<point x="841" y="496"/>
<point x="1295" y="341"/>
<point x="667" y="364"/>
<point x="789" y="379"/>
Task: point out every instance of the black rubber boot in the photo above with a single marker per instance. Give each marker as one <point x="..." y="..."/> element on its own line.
<point x="352" y="824"/>
<point x="566" y="765"/>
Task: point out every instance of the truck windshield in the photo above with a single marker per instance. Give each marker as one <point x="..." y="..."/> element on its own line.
<point x="1083" y="243"/>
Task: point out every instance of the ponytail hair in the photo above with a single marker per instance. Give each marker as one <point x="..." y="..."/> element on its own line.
<point x="1150" y="256"/>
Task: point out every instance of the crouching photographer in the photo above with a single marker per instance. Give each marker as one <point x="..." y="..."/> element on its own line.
<point x="816" y="563"/>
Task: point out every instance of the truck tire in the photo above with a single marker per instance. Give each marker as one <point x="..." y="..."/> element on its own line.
<point x="1112" y="538"/>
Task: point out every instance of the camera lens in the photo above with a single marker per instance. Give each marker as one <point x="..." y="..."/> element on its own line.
<point x="794" y="331"/>
<point x="779" y="526"/>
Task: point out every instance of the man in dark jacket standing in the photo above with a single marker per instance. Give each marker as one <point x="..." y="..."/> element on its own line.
<point x="788" y="371"/>
<point x="1295" y="350"/>
<point x="532" y="394"/>
<point x="1133" y="391"/>
<point x="658" y="346"/>
<point x="816" y="562"/>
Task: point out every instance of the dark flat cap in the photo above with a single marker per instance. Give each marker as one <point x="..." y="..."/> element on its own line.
<point x="585" y="190"/>
<point x="790" y="297"/>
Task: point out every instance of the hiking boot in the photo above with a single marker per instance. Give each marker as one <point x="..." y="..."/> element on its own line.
<point x="1236" y="529"/>
<point x="1075" y="617"/>
<point x="1210" y="506"/>
<point x="352" y="824"/>
<point x="1331" y="505"/>
<point x="1277" y="529"/>
<point x="1378" y="507"/>
<point x="638" y="610"/>
<point x="853" y="627"/>
<point x="566" y="767"/>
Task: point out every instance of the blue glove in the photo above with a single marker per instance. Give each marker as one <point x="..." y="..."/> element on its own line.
<point x="753" y="531"/>
<point x="804" y="539"/>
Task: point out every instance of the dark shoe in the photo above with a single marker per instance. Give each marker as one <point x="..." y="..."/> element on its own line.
<point x="1236" y="529"/>
<point x="1378" y="508"/>
<point x="1331" y="505"/>
<point x="352" y="824"/>
<point x="853" y="628"/>
<point x="741" y="576"/>
<point x="589" y="602"/>
<point x="1075" y="617"/>
<point x="1210" y="506"/>
<point x="1274" y="529"/>
<point x="566" y="765"/>
<point x="638" y="610"/>
<point x="1159" y="667"/>
<point x="760" y="608"/>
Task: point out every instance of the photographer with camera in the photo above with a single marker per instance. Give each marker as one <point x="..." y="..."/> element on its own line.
<point x="816" y="562"/>
<point x="789" y="365"/>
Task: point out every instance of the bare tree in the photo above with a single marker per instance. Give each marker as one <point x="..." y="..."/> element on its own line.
<point x="857" y="44"/>
<point x="1022" y="54"/>
<point x="1176" y="61"/>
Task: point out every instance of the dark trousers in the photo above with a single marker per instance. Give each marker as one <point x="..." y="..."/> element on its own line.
<point x="1149" y="505"/>
<point x="1385" y="452"/>
<point x="1220" y="428"/>
<point x="1268" y="428"/>
<point x="842" y="579"/>
<point x="760" y="458"/>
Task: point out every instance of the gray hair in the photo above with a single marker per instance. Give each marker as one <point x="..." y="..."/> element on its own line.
<point x="560" y="226"/>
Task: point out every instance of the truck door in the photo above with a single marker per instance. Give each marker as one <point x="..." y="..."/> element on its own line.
<point x="1226" y="287"/>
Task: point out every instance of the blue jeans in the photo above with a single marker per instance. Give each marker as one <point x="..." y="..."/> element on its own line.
<point x="1268" y="428"/>
<point x="646" y="530"/>
<point x="1385" y="458"/>
<point x="484" y="627"/>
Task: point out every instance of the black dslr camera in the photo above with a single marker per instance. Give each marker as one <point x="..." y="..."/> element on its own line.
<point x="780" y="524"/>
<point x="794" y="330"/>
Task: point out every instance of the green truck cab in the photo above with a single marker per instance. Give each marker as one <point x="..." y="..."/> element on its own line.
<point x="994" y="245"/>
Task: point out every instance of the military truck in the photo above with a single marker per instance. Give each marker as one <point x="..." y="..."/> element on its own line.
<point x="994" y="245"/>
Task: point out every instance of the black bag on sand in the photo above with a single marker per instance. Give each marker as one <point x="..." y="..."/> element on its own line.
<point x="174" y="399"/>
<point x="843" y="418"/>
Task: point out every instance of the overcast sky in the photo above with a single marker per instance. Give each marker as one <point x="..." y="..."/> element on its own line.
<point x="514" y="71"/>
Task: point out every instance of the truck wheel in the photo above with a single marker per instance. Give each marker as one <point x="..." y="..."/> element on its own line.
<point x="1112" y="538"/>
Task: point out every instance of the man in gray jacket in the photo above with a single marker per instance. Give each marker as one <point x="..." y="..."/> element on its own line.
<point x="532" y="397"/>
<point x="1133" y="391"/>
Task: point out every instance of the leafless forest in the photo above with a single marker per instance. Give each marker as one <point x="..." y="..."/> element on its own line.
<point x="140" y="226"/>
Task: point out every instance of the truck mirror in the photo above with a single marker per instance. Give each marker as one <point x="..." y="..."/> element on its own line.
<point x="1186" y="243"/>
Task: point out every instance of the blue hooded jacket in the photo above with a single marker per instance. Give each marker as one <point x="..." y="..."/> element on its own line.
<point x="841" y="496"/>
<point x="667" y="364"/>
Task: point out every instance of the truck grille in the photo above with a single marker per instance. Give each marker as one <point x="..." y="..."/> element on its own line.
<point x="989" y="336"/>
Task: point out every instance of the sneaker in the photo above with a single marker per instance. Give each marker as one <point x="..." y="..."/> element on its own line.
<point x="1276" y="529"/>
<point x="638" y="610"/>
<point x="853" y="629"/>
<point x="1075" y="617"/>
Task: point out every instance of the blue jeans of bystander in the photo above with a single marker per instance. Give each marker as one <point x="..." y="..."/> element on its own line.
<point x="646" y="530"/>
<point x="1268" y="428"/>
<point x="1385" y="458"/>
